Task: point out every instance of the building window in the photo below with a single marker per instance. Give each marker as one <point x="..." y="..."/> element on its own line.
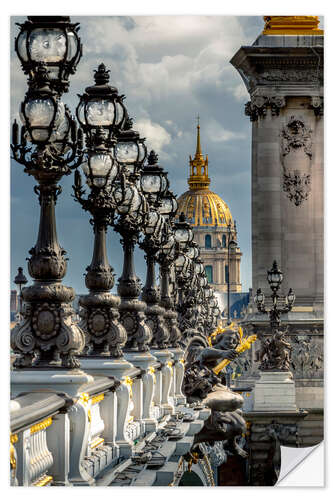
<point x="208" y="241"/>
<point x="224" y="241"/>
<point x="209" y="273"/>
<point x="226" y="273"/>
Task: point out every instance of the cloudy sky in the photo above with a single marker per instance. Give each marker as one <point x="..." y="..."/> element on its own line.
<point x="171" y="68"/>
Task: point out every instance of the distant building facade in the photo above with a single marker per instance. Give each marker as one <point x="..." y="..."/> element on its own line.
<point x="213" y="227"/>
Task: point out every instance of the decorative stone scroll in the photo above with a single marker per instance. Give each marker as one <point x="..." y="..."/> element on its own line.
<point x="258" y="106"/>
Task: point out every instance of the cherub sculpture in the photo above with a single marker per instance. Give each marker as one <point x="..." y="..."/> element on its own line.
<point x="202" y="383"/>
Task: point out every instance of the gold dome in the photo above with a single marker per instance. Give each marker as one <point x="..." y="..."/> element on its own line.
<point x="204" y="208"/>
<point x="201" y="206"/>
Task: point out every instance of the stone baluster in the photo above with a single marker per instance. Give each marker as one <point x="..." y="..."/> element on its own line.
<point x="80" y="418"/>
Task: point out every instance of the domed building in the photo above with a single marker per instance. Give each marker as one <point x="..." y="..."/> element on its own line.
<point x="213" y="227"/>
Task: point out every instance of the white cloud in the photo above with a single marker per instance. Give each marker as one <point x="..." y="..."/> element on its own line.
<point x="157" y="136"/>
<point x="219" y="134"/>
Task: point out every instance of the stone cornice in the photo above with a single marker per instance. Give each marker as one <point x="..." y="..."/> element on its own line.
<point x="280" y="67"/>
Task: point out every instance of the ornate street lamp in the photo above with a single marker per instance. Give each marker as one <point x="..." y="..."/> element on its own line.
<point x="168" y="205"/>
<point x="53" y="41"/>
<point x="130" y="150"/>
<point x="274" y="278"/>
<point x="232" y="245"/>
<point x="275" y="352"/>
<point x="101" y="112"/>
<point x="155" y="235"/>
<point x="48" y="147"/>
<point x="132" y="210"/>
<point x="154" y="181"/>
<point x="183" y="231"/>
<point x="166" y="257"/>
<point x="20" y="280"/>
<point x="105" y="336"/>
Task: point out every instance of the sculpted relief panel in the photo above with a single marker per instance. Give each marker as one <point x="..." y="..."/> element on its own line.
<point x="296" y="152"/>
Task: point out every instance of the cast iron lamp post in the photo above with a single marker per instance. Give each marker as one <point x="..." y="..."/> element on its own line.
<point x="153" y="185"/>
<point x="274" y="278"/>
<point x="49" y="147"/>
<point x="165" y="258"/>
<point x="97" y="112"/>
<point x="232" y="244"/>
<point x="20" y="280"/>
<point x="132" y="209"/>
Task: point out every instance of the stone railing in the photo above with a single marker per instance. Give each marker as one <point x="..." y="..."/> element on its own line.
<point x="58" y="439"/>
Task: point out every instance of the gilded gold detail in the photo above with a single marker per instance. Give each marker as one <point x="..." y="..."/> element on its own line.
<point x="12" y="456"/>
<point x="292" y="25"/>
<point x="152" y="372"/>
<point x="198" y="167"/>
<point x="41" y="425"/>
<point x="44" y="481"/>
<point x="192" y="203"/>
<point x="129" y="382"/>
<point x="97" y="442"/>
<point x="200" y="205"/>
<point x="13" y="438"/>
<point x="97" y="399"/>
<point x="84" y="398"/>
<point x="244" y="344"/>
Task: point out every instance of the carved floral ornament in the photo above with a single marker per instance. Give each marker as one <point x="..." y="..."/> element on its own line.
<point x="296" y="137"/>
<point x="259" y="105"/>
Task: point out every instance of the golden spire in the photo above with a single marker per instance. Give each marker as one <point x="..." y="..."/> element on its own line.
<point x="198" y="167"/>
<point x="198" y="151"/>
<point x="292" y="25"/>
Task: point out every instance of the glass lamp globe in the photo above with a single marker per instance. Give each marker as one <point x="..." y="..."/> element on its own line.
<point x="180" y="262"/>
<point x="100" y="169"/>
<point x="259" y="298"/>
<point x="274" y="276"/>
<point x="128" y="200"/>
<point x="154" y="223"/>
<point x="101" y="111"/>
<point x="290" y="299"/>
<point x="169" y="205"/>
<point x="40" y="109"/>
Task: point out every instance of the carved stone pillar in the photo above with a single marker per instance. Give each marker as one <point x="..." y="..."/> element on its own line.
<point x="284" y="77"/>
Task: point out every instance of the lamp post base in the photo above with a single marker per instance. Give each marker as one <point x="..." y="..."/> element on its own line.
<point x="47" y="337"/>
<point x="133" y="319"/>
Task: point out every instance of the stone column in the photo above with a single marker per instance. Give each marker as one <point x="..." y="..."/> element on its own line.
<point x="284" y="77"/>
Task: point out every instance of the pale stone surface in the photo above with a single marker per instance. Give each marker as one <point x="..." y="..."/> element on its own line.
<point x="275" y="391"/>
<point x="60" y="381"/>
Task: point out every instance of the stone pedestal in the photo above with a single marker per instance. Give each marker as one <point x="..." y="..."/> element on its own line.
<point x="275" y="391"/>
